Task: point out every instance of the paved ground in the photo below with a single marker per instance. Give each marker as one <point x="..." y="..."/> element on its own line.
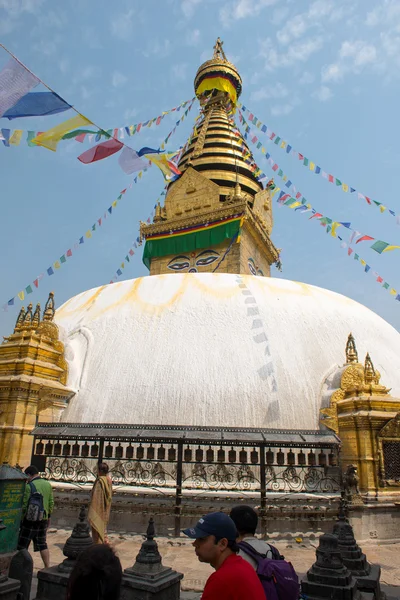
<point x="178" y="554"/>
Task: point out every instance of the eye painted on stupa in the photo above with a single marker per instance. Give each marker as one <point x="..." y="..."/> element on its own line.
<point x="207" y="257"/>
<point x="179" y="263"/>
<point x="252" y="266"/>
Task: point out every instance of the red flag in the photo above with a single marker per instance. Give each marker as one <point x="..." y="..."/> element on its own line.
<point x="158" y="120"/>
<point x="369" y="202"/>
<point x="298" y="195"/>
<point x="275" y="167"/>
<point x="131" y="252"/>
<point x="316" y="216"/>
<point x="99" y="222"/>
<point x="330" y="178"/>
<point x="80" y="138"/>
<point x="365" y="238"/>
<point x="103" y="150"/>
<point x="301" y="157"/>
<point x="69" y="252"/>
<point x="379" y="279"/>
<point x="350" y="251"/>
<point x="36" y="282"/>
<point x="138" y="128"/>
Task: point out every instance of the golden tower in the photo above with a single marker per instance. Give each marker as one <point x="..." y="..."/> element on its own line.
<point x="33" y="377"/>
<point x="216" y="216"/>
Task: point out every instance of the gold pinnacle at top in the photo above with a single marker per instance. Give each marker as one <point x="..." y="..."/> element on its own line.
<point x="49" y="309"/>
<point x="369" y="370"/>
<point x="218" y="50"/>
<point x="351" y="350"/>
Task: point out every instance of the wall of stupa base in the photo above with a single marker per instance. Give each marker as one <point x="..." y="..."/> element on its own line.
<point x="252" y="255"/>
<point x="18" y="420"/>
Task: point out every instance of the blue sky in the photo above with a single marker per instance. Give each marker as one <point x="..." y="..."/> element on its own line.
<point x="324" y="75"/>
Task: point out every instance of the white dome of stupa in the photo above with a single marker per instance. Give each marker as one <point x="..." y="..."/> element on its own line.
<point x="214" y="350"/>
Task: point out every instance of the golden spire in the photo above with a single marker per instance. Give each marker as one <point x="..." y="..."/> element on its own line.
<point x="20" y="320"/>
<point x="351" y="350"/>
<point x="28" y="317"/>
<point x="158" y="215"/>
<point x="218" y="50"/>
<point x="36" y="316"/>
<point x="49" y="309"/>
<point x="369" y="370"/>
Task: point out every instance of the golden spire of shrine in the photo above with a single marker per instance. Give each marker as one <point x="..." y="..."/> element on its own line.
<point x="20" y="320"/>
<point x="351" y="350"/>
<point x="49" y="309"/>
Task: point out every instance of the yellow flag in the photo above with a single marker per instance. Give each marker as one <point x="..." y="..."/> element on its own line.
<point x="21" y="295"/>
<point x="284" y="178"/>
<point x="49" y="139"/>
<point x="312" y="166"/>
<point x="122" y="265"/>
<point x="140" y="174"/>
<point x="294" y="205"/>
<point x="57" y="265"/>
<point x="388" y="248"/>
<point x="382" y="208"/>
<point x="393" y="292"/>
<point x="335" y="225"/>
<point x="276" y="190"/>
<point x="362" y="262"/>
<point x="114" y="204"/>
<point x="16" y="137"/>
<point x="345" y="187"/>
<point x="88" y="234"/>
<point x="283" y="144"/>
<point x="162" y="146"/>
<point x="263" y="150"/>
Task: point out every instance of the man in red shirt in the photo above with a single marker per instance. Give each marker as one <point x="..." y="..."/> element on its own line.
<point x="215" y="543"/>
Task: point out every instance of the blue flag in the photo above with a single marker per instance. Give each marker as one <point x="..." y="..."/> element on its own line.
<point x="37" y="104"/>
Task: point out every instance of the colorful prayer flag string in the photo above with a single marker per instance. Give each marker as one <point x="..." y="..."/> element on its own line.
<point x="296" y="199"/>
<point x="313" y="166"/>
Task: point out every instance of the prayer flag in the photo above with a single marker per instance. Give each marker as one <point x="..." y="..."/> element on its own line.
<point x="28" y="289"/>
<point x="5" y="136"/>
<point x="31" y="135"/>
<point x="49" y="139"/>
<point x="16" y="137"/>
<point x="36" y="283"/>
<point x="393" y="292"/>
<point x="338" y="182"/>
<point x="379" y="279"/>
<point x="130" y="162"/>
<point x="69" y="252"/>
<point x="63" y="259"/>
<point x="386" y="286"/>
<point x="50" y="271"/>
<point x="379" y="246"/>
<point x="364" y="238"/>
<point x="163" y="162"/>
<point x="312" y="166"/>
<point x="350" y="251"/>
<point x="330" y="178"/>
<point x="305" y="162"/>
<point x="345" y="187"/>
<point x="391" y="248"/>
<point x="21" y="295"/>
<point x="37" y="104"/>
<point x="15" y="82"/>
<point x="367" y="268"/>
<point x="317" y="170"/>
<point x="100" y="151"/>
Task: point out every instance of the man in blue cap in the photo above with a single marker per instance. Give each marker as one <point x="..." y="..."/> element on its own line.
<point x="215" y="543"/>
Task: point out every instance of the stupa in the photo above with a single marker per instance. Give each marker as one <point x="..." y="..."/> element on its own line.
<point x="211" y="340"/>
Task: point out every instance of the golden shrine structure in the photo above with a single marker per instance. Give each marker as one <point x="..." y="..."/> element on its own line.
<point x="210" y="373"/>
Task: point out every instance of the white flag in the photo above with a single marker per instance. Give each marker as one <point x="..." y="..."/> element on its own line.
<point x="15" y="82"/>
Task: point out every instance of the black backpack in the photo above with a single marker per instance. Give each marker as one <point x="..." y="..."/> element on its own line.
<point x="35" y="510"/>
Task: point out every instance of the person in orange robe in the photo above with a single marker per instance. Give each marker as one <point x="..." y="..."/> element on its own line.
<point x="100" y="505"/>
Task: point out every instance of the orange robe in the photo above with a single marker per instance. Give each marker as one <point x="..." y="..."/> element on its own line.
<point x="100" y="507"/>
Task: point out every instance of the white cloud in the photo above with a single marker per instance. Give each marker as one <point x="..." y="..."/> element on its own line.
<point x="15" y="8"/>
<point x="279" y="15"/>
<point x="299" y="52"/>
<point x="46" y="47"/>
<point x="283" y="109"/>
<point x="188" y="7"/>
<point x="122" y="24"/>
<point x="292" y="30"/>
<point x="353" y="57"/>
<point x="242" y="9"/>
<point x="178" y="71"/>
<point x="193" y="37"/>
<point x="306" y="78"/>
<point x="268" y="92"/>
<point x="323" y="93"/>
<point x="130" y="113"/>
<point x="118" y="79"/>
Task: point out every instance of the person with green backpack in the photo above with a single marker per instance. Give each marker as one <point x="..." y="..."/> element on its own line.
<point x="37" y="507"/>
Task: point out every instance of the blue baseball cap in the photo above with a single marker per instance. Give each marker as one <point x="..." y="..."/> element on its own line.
<point x="216" y="523"/>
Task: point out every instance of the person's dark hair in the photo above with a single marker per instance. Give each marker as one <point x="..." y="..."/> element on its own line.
<point x="245" y="519"/>
<point x="103" y="468"/>
<point x="232" y="545"/>
<point x="31" y="470"/>
<point x="97" y="575"/>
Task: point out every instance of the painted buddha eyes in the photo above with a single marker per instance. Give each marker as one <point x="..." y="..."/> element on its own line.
<point x="193" y="262"/>
<point x="254" y="270"/>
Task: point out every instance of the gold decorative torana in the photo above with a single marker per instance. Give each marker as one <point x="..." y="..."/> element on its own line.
<point x="33" y="377"/>
<point x="217" y="184"/>
<point x="358" y="410"/>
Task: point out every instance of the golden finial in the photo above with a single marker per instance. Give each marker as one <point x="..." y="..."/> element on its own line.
<point x="28" y="317"/>
<point x="351" y="350"/>
<point x="20" y="320"/>
<point x="158" y="215"/>
<point x="218" y="51"/>
<point x="49" y="309"/>
<point x="36" y="316"/>
<point x="369" y="370"/>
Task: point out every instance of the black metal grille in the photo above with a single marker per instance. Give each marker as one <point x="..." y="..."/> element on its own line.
<point x="391" y="457"/>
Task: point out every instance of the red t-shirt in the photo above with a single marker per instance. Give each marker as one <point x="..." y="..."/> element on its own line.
<point x="234" y="580"/>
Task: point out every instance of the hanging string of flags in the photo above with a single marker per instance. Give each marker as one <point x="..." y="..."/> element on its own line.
<point x="300" y="205"/>
<point x="313" y="166"/>
<point x="29" y="289"/>
<point x="13" y="137"/>
<point x="297" y="201"/>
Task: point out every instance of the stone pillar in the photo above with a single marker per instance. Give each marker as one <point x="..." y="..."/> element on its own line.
<point x="9" y="588"/>
<point x="53" y="582"/>
<point x="148" y="579"/>
<point x="366" y="575"/>
<point x="21" y="569"/>
<point x="329" y="577"/>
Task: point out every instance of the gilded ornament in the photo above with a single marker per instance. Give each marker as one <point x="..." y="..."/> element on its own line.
<point x="351" y="350"/>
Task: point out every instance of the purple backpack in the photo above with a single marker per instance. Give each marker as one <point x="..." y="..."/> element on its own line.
<point x="277" y="576"/>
